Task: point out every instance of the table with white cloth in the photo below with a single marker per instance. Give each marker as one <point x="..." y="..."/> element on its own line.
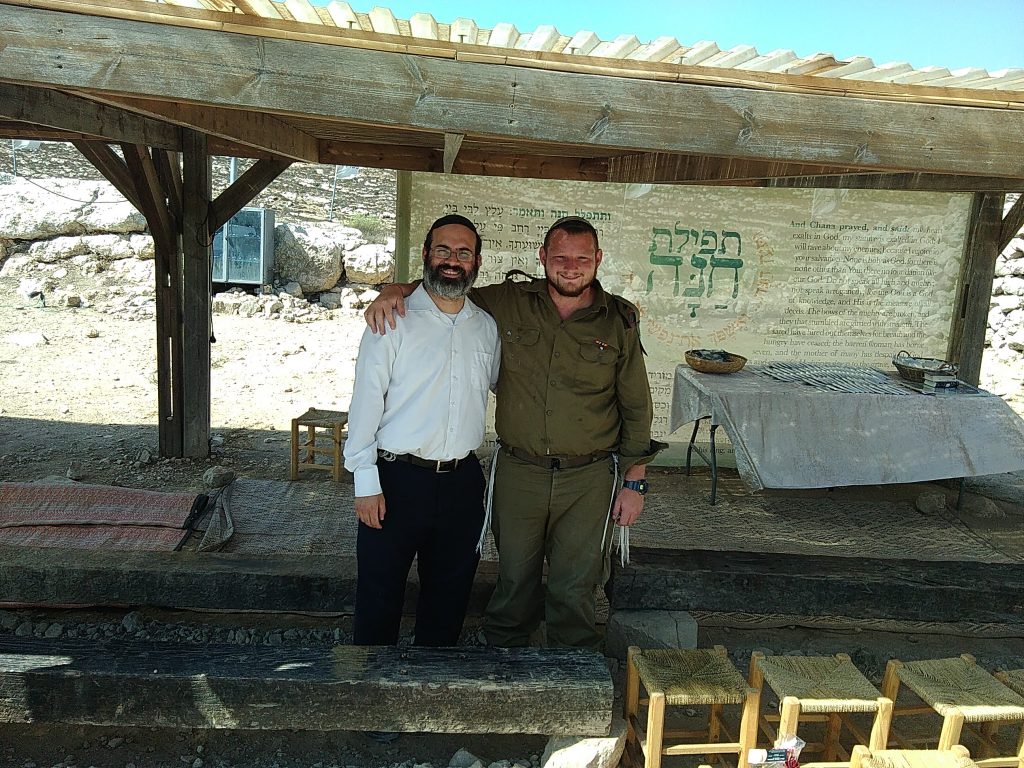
<point x="787" y="434"/>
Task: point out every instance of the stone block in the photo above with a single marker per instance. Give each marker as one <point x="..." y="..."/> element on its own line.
<point x="649" y="629"/>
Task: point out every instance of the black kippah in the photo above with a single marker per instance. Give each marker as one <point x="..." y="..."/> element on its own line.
<point x="453" y="218"/>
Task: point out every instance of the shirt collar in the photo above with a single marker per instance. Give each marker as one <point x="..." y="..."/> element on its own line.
<point x="601" y="298"/>
<point x="419" y="299"/>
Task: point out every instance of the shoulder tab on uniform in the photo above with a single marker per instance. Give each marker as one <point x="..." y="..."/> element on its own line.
<point x="627" y="311"/>
<point x="516" y="275"/>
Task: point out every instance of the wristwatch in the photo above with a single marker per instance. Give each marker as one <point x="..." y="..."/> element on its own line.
<point x="640" y="486"/>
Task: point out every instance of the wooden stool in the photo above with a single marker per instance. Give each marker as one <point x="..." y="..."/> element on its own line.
<point x="862" y="757"/>
<point x="1013" y="678"/>
<point x="314" y="419"/>
<point x="822" y="689"/>
<point x="685" y="677"/>
<point x="961" y="692"/>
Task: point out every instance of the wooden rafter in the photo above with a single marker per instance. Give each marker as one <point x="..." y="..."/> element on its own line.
<point x="113" y="168"/>
<point x="508" y="103"/>
<point x="244" y="189"/>
<point x="255" y="129"/>
<point x="58" y="110"/>
<point x="663" y="168"/>
<point x="1013" y="221"/>
<point x="932" y="182"/>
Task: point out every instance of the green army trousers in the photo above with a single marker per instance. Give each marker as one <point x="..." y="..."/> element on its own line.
<point x="561" y="516"/>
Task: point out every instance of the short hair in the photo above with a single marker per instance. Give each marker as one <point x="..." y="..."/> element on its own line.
<point x="451" y="218"/>
<point x="572" y="225"/>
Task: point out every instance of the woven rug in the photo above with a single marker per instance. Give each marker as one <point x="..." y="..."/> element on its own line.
<point x="80" y="516"/>
<point x="810" y="526"/>
<point x="274" y="516"/>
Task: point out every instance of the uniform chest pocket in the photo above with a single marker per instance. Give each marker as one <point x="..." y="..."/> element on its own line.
<point x="518" y="343"/>
<point x="595" y="367"/>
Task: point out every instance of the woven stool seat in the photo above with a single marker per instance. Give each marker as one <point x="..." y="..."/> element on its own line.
<point x="1013" y="678"/>
<point x="964" y="695"/>
<point x="691" y="676"/>
<point x="956" y="684"/>
<point x="312" y="420"/>
<point x="686" y="677"/>
<point x="823" y="683"/>
<point x="824" y="689"/>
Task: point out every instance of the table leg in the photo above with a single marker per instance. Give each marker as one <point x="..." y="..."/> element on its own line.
<point x="960" y="495"/>
<point x="689" y="448"/>
<point x="714" y="466"/>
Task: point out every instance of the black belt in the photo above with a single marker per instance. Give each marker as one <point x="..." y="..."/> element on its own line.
<point x="438" y="465"/>
<point x="556" y="462"/>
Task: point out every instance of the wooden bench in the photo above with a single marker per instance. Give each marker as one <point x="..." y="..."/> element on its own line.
<point x="554" y="692"/>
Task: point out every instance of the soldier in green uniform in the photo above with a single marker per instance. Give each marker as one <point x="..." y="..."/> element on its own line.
<point x="574" y="416"/>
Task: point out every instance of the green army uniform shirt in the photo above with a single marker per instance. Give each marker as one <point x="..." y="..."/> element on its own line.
<point x="569" y="387"/>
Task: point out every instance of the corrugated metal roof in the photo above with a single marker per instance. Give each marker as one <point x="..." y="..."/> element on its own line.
<point x="628" y="48"/>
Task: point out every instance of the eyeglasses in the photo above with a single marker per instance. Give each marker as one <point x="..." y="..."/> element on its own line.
<point x="443" y="253"/>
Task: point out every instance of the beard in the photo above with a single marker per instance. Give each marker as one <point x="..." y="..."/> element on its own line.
<point x="567" y="290"/>
<point x="448" y="287"/>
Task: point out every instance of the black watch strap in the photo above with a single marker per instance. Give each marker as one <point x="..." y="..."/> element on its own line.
<point x="640" y="486"/>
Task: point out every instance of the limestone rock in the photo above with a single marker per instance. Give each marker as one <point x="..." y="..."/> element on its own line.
<point x="649" y="629"/>
<point x="370" y="263"/>
<point x="218" y="477"/>
<point x="28" y="212"/>
<point x="465" y="759"/>
<point x="310" y="255"/>
<point x="586" y="752"/>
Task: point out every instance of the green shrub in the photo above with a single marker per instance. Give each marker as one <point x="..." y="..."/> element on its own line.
<point x="374" y="229"/>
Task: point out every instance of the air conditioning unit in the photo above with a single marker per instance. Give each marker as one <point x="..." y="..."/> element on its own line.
<point x="243" y="249"/>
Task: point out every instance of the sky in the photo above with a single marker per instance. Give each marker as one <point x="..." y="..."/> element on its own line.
<point x="948" y="33"/>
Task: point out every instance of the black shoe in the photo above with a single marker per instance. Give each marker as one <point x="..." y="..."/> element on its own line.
<point x="381" y="737"/>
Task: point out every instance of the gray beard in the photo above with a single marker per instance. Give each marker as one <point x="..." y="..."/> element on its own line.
<point x="447" y="287"/>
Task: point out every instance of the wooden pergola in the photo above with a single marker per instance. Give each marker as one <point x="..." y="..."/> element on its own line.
<point x="174" y="83"/>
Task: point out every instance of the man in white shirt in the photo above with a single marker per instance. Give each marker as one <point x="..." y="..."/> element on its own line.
<point x="417" y="413"/>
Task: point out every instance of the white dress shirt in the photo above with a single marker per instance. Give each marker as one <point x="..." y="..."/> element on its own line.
<point x="421" y="388"/>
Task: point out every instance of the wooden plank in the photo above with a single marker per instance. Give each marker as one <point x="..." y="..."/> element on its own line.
<point x="1013" y="221"/>
<point x="13" y="129"/>
<point x="258" y="130"/>
<point x="766" y="583"/>
<point x="73" y="113"/>
<point x="143" y="174"/>
<point x="106" y="161"/>
<point x="244" y="189"/>
<point x="458" y="97"/>
<point x="558" y="691"/>
<point x="907" y="181"/>
<point x="967" y="341"/>
<point x="187" y="580"/>
<point x="196" y="250"/>
<point x="661" y="168"/>
<point x="168" y="172"/>
<point x="452" y="144"/>
<point x="474" y="162"/>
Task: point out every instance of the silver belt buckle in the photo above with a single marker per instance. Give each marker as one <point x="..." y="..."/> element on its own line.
<point x="438" y="470"/>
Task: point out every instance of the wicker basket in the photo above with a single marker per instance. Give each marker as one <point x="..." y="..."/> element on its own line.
<point x="914" y="368"/>
<point x="731" y="364"/>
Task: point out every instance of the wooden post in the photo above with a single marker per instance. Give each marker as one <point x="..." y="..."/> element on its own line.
<point x="967" y="339"/>
<point x="196" y="242"/>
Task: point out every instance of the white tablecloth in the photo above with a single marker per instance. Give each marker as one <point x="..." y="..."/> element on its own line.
<point x="791" y="435"/>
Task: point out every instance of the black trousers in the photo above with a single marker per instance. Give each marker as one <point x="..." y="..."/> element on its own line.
<point x="435" y="517"/>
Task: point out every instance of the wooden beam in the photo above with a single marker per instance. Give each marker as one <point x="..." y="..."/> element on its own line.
<point x="258" y="130"/>
<point x="1013" y="221"/>
<point x="143" y="173"/>
<point x="168" y="172"/>
<point x="112" y="167"/>
<point x="662" y="168"/>
<point x="452" y="144"/>
<point x="912" y="590"/>
<point x="930" y="182"/>
<point x="13" y="129"/>
<point x="473" y="162"/>
<point x="512" y="102"/>
<point x="80" y="115"/>
<point x="196" y="249"/>
<point x="551" y="691"/>
<point x="243" y="190"/>
<point x="967" y="341"/>
<point x="219" y="581"/>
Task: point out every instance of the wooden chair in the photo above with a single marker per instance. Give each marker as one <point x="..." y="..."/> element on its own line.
<point x="312" y="420"/>
<point x="862" y="757"/>
<point x="962" y="693"/>
<point x="822" y="689"/>
<point x="686" y="677"/>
